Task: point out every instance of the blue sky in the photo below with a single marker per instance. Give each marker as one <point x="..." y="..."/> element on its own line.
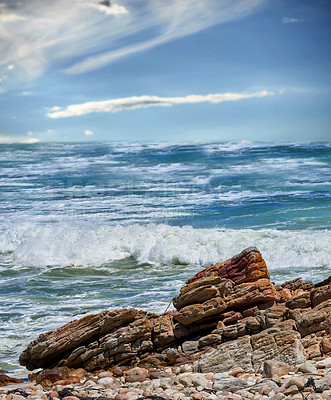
<point x="159" y="70"/>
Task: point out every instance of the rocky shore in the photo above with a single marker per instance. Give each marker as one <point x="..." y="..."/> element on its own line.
<point x="233" y="335"/>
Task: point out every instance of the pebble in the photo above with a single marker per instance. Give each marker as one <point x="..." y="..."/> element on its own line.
<point x="220" y="375"/>
<point x="278" y="396"/>
<point x="180" y="383"/>
<point x="236" y="371"/>
<point x="105" y="374"/>
<point x="291" y="390"/>
<point x="295" y="381"/>
<point x="70" y="398"/>
<point x="106" y="382"/>
<point x="308" y="367"/>
<point x="326" y="363"/>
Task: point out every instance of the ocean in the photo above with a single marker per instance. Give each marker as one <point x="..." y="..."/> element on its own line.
<point x="91" y="226"/>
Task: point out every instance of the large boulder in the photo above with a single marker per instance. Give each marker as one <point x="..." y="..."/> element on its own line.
<point x="237" y="353"/>
<point x="248" y="266"/>
<point x="52" y="347"/>
<point x="249" y="352"/>
<point x="239" y="283"/>
<point x="231" y="306"/>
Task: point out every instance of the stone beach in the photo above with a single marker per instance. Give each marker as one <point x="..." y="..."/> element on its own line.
<point x="233" y="335"/>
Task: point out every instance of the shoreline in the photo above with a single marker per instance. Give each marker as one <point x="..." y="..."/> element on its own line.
<point x="274" y="380"/>
<point x="232" y="334"/>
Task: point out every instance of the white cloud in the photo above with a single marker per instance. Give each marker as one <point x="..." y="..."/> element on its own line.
<point x="7" y="139"/>
<point x="31" y="141"/>
<point x="8" y="16"/>
<point x="287" y="20"/>
<point x="114" y="9"/>
<point x="130" y="103"/>
<point x="11" y="67"/>
<point x="88" y="132"/>
<point x="61" y="32"/>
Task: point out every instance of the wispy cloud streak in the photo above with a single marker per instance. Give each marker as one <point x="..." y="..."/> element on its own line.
<point x="83" y="35"/>
<point x="131" y="103"/>
<point x="287" y="20"/>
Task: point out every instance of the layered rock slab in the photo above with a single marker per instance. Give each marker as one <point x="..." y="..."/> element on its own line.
<point x="52" y="347"/>
<point x="220" y="306"/>
<point x="248" y="352"/>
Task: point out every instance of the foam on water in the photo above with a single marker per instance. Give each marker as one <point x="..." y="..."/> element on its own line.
<point x="84" y="244"/>
<point x="92" y="226"/>
<point x="51" y="273"/>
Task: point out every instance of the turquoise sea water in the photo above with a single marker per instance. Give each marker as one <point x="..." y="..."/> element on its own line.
<point x="93" y="226"/>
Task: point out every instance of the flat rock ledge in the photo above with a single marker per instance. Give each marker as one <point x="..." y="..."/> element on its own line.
<point x="233" y="332"/>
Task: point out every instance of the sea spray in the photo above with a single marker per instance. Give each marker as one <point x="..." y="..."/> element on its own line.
<point x="92" y="226"/>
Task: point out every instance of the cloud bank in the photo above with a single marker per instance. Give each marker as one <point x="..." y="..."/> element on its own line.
<point x="131" y="103"/>
<point x="8" y="139"/>
<point x="78" y="36"/>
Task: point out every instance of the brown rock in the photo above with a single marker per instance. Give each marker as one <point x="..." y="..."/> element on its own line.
<point x="164" y="331"/>
<point x="198" y="312"/>
<point x="118" y="371"/>
<point x="154" y="360"/>
<point x="326" y="345"/>
<point x="196" y="295"/>
<point x="159" y="375"/>
<point x="249" y="294"/>
<point x="271" y="316"/>
<point x="320" y="294"/>
<point x="327" y="281"/>
<point x="235" y="331"/>
<point x="105" y="374"/>
<point x="77" y="373"/>
<point x="138" y="371"/>
<point x="297" y="381"/>
<point x="312" y="346"/>
<point x="248" y="266"/>
<point x="250" y="312"/>
<point x="180" y="330"/>
<point x="308" y="285"/>
<point x="280" y="345"/>
<point x="311" y="321"/>
<point x="5" y="379"/>
<point x="135" y="378"/>
<point x="190" y="347"/>
<point x="52" y="375"/>
<point x="227" y="356"/>
<point x="293" y="284"/>
<point x="273" y="367"/>
<point x="236" y="371"/>
<point x="231" y="317"/>
<point x="252" y="324"/>
<point x="285" y="294"/>
<point x="70" y="398"/>
<point x="302" y="300"/>
<point x="235" y="296"/>
<point x="63" y="382"/>
<point x="172" y="354"/>
<point x="51" y="347"/>
<point x="291" y="390"/>
<point x="210" y="340"/>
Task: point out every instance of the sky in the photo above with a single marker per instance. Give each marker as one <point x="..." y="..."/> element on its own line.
<point x="171" y="71"/>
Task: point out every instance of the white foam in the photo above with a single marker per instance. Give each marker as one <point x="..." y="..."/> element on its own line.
<point x="86" y="244"/>
<point x="230" y="146"/>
